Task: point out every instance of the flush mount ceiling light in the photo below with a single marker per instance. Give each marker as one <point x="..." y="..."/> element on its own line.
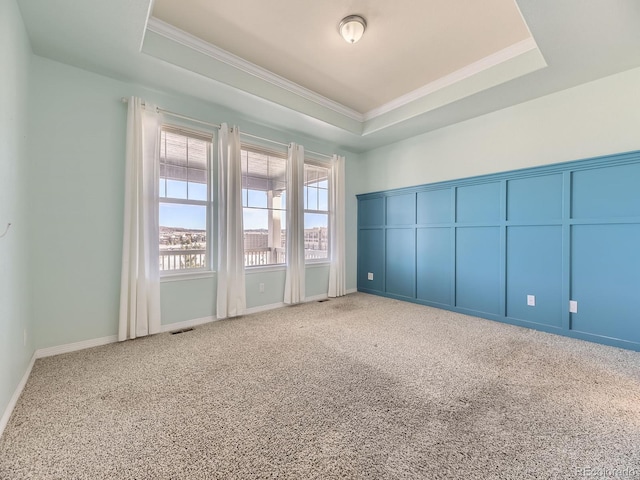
<point x="352" y="27"/>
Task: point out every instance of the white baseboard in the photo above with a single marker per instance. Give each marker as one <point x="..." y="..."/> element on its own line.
<point x="96" y="342"/>
<point x="315" y="298"/>
<point x="16" y="395"/>
<point x="272" y="306"/>
<point x="352" y="290"/>
<point x="72" y="347"/>
<point x="171" y="327"/>
<point x="264" y="308"/>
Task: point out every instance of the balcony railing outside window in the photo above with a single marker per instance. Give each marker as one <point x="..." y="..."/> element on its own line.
<point x="264" y="190"/>
<point x="185" y="205"/>
<point x="185" y="201"/>
<point x="173" y="260"/>
<point x="182" y="259"/>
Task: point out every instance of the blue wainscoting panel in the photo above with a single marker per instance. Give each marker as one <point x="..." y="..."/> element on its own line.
<point x="478" y="203"/>
<point x="434" y="206"/>
<point x="535" y="198"/>
<point x="478" y="269"/>
<point x="401" y="209"/>
<point x="434" y="265"/>
<point x="605" y="280"/>
<point x="371" y="212"/>
<point x="401" y="261"/>
<point x="371" y="259"/>
<point x="534" y="267"/>
<point x="480" y="245"/>
<point x="606" y="192"/>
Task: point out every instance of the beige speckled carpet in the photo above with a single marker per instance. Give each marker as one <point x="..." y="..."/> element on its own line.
<point x="357" y="387"/>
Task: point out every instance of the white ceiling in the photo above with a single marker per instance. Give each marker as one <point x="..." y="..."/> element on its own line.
<point x="577" y="41"/>
<point x="408" y="43"/>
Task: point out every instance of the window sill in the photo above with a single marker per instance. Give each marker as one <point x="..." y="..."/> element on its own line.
<point x="319" y="263"/>
<point x="282" y="267"/>
<point x="177" y="277"/>
<point x="265" y="268"/>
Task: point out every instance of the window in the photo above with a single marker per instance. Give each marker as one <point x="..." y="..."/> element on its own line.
<point x="316" y="212"/>
<point x="185" y="200"/>
<point x="264" y="185"/>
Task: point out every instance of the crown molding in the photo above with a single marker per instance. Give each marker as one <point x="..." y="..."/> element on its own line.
<point x="474" y="68"/>
<point x="160" y="27"/>
<point x="186" y="39"/>
<point x="146" y="23"/>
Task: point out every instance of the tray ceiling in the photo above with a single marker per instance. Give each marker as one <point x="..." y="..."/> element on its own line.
<point x="415" y="56"/>
<point x="408" y="44"/>
<point x="451" y="76"/>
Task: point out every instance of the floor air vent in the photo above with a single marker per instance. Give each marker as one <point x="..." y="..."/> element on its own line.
<point x="181" y="331"/>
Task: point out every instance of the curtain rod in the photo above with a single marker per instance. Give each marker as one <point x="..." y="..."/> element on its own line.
<point x="215" y="125"/>
<point x="283" y="144"/>
<point x="177" y="115"/>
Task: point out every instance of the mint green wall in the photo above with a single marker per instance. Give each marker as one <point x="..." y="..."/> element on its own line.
<point x="316" y="280"/>
<point x="77" y="125"/>
<point x="191" y="299"/>
<point x="353" y="174"/>
<point x="76" y="152"/>
<point x="273" y="288"/>
<point x="187" y="299"/>
<point x="76" y="187"/>
<point x="592" y="119"/>
<point x="15" y="54"/>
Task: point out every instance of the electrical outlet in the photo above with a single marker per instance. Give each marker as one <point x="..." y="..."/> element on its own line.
<point x="369" y="276"/>
<point x="531" y="300"/>
<point x="573" y="306"/>
<point x="261" y="287"/>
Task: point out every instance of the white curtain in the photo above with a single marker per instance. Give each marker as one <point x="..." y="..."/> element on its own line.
<point x="337" y="229"/>
<point x="232" y="297"/>
<point x="140" y="279"/>
<point x="294" y="283"/>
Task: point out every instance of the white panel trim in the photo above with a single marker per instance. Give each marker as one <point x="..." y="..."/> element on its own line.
<point x="72" y="347"/>
<point x="156" y="25"/>
<point x="171" y="327"/>
<point x="470" y="70"/>
<point x="16" y="395"/>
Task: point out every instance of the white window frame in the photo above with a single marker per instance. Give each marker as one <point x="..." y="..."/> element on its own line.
<point x="208" y="269"/>
<point x="251" y="147"/>
<point x="328" y="166"/>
